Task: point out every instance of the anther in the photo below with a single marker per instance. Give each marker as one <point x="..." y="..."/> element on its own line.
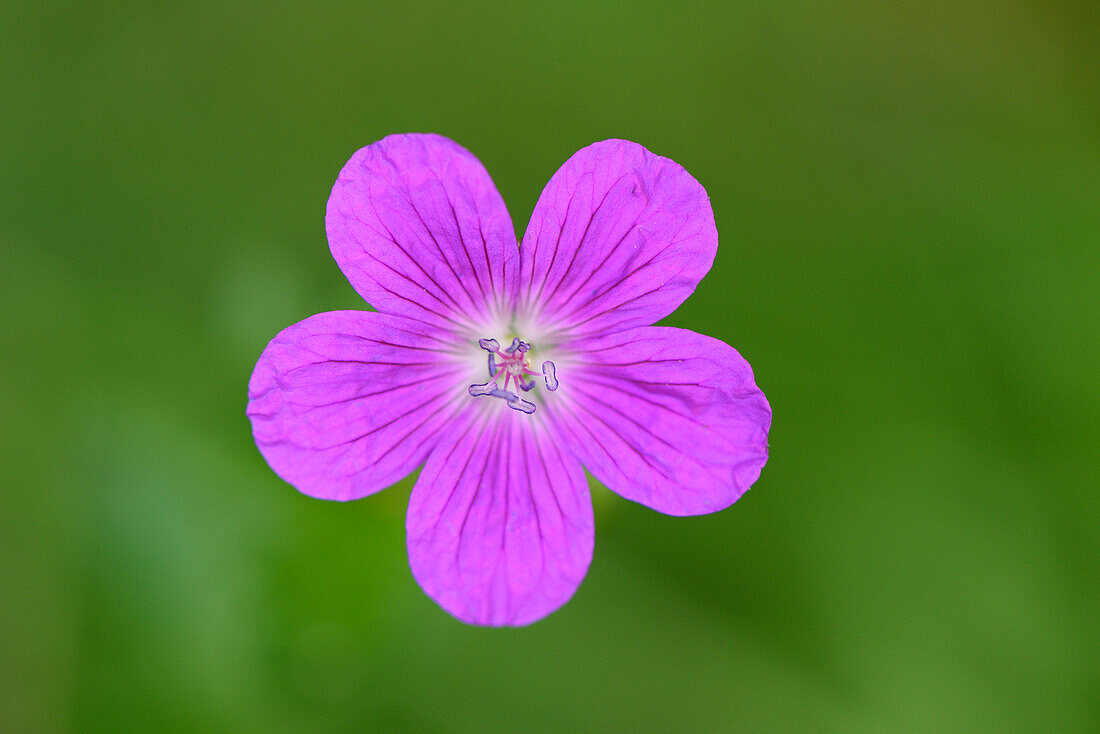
<point x="549" y="374"/>
<point x="492" y="346"/>
<point x="517" y="345"/>
<point x="515" y="402"/>
<point x="479" y="390"/>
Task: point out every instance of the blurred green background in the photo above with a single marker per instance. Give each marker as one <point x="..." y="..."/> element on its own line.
<point x="908" y="199"/>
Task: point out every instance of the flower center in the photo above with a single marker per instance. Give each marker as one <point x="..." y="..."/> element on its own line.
<point x="512" y="366"/>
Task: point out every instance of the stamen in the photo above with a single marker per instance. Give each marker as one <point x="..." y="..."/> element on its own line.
<point x="492" y="346"/>
<point x="513" y="365"/>
<point x="515" y="402"/>
<point x="517" y="344"/>
<point x="549" y="374"/>
<point x="485" y="389"/>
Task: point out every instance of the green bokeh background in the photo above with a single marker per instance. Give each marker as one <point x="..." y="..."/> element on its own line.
<point x="908" y="200"/>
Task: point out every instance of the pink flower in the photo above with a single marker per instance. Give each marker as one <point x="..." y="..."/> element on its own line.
<point x="500" y="528"/>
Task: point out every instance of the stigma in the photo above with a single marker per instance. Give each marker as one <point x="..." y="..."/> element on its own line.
<point x="511" y="368"/>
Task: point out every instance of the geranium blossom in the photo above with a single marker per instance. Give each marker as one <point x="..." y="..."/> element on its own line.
<point x="505" y="369"/>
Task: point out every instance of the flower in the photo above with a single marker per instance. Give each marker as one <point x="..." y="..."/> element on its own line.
<point x="500" y="527"/>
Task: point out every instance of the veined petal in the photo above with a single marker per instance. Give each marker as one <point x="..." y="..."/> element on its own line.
<point x="419" y="229"/>
<point x="346" y="403"/>
<point x="500" y="526"/>
<point x="619" y="238"/>
<point x="666" y="417"/>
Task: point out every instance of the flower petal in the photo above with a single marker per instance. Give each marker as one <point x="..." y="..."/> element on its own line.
<point x="419" y="229"/>
<point x="666" y="417"/>
<point x="346" y="403"/>
<point x="618" y="238"/>
<point x="500" y="527"/>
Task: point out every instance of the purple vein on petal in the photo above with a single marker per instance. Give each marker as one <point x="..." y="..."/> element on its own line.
<point x="453" y="306"/>
<point x="386" y="424"/>
<point x="364" y="396"/>
<point x="645" y="429"/>
<point x="489" y="267"/>
<point x="414" y="261"/>
<point x="482" y="423"/>
<point x="580" y="244"/>
<point x="393" y="240"/>
<point x="553" y="256"/>
<point x="469" y="258"/>
<point x="575" y="326"/>
<point x="599" y="293"/>
<point x="535" y="509"/>
<point x="440" y="426"/>
<point x="631" y="418"/>
<point x="546" y="473"/>
<point x="444" y="258"/>
<point x="595" y="439"/>
<point x="568" y="299"/>
<point x="411" y="203"/>
<point x="507" y="451"/>
<point x="477" y="487"/>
